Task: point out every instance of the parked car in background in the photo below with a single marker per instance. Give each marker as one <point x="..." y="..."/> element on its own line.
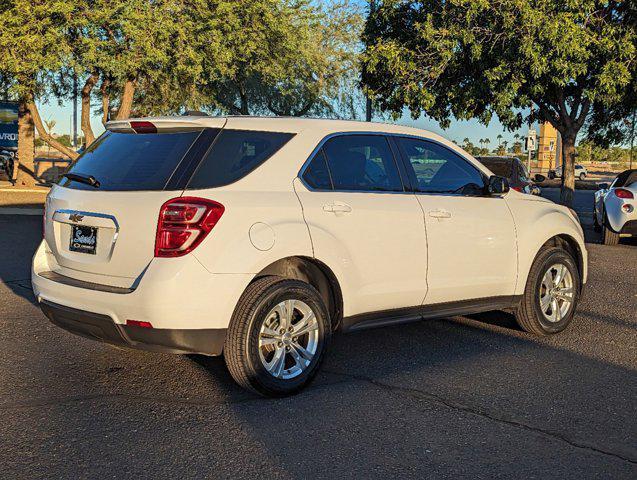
<point x="580" y="172"/>
<point x="514" y="171"/>
<point x="260" y="238"/>
<point x="615" y="208"/>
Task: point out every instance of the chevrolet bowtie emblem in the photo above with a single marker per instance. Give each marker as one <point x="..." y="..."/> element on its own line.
<point x="76" y="217"/>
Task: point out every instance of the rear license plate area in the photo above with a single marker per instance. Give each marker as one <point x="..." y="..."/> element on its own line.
<point x="83" y="239"/>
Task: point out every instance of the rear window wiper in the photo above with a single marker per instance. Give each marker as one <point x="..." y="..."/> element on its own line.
<point x="88" y="180"/>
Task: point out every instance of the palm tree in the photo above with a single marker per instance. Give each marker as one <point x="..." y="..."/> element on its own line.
<point x="505" y="144"/>
<point x="499" y="137"/>
<point x="487" y="142"/>
<point x="50" y="125"/>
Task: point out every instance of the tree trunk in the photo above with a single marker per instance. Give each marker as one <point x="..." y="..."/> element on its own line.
<point x="127" y="99"/>
<point x="568" y="169"/>
<point x="85" y="122"/>
<point x="44" y="134"/>
<point x="26" y="134"/>
<point x="106" y="100"/>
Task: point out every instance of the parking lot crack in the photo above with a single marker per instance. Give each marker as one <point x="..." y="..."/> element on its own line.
<point x="432" y="397"/>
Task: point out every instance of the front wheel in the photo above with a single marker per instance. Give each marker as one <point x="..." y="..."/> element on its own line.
<point x="277" y="337"/>
<point x="551" y="293"/>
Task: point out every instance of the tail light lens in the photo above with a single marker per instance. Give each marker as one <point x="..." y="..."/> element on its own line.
<point x="623" y="193"/>
<point x="143" y="127"/>
<point x="517" y="189"/>
<point x="183" y="224"/>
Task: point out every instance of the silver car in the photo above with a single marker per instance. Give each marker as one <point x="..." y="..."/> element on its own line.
<point x="615" y="209"/>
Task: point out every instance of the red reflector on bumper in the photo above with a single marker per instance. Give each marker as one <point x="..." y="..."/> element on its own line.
<point x="138" y="323"/>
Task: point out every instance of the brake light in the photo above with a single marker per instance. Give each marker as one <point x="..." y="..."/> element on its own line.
<point x="143" y="127"/>
<point x="517" y="189"/>
<point x="183" y="224"/>
<point x="138" y="323"/>
<point x="623" y="193"/>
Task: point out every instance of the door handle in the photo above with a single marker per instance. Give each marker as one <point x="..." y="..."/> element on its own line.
<point x="439" y="214"/>
<point x="337" y="207"/>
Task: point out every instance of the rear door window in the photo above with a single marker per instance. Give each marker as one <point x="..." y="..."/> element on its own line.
<point x="234" y="154"/>
<point x="362" y="162"/>
<point x="131" y="161"/>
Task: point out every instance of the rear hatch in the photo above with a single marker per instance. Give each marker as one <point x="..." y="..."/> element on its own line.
<point x="101" y="222"/>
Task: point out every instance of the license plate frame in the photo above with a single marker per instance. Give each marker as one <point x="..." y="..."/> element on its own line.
<point x="83" y="239"/>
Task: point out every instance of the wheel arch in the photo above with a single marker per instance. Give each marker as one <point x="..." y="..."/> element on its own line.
<point x="315" y="273"/>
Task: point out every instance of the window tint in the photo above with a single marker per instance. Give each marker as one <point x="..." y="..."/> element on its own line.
<point x="362" y="162"/>
<point x="130" y="161"/>
<point x="439" y="170"/>
<point x="234" y="154"/>
<point x="500" y="167"/>
<point x="316" y="174"/>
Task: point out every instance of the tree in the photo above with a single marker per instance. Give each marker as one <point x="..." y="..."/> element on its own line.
<point x="499" y="137"/>
<point x="473" y="59"/>
<point x="487" y="142"/>
<point x="32" y="42"/>
<point x="287" y="57"/>
<point x="50" y="125"/>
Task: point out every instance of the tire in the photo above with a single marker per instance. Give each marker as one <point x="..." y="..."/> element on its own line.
<point x="608" y="236"/>
<point x="582" y="176"/>
<point x="530" y="315"/>
<point x="596" y="226"/>
<point x="255" y="340"/>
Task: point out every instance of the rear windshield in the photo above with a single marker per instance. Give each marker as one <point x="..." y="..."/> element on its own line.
<point x="130" y="161"/>
<point x="234" y="154"/>
<point x="501" y="168"/>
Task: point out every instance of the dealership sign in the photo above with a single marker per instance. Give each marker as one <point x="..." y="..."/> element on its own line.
<point x="8" y="124"/>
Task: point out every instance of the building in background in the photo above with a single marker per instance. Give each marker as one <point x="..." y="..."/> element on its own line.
<point x="549" y="152"/>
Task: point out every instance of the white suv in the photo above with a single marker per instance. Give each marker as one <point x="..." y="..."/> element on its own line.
<point x="259" y="238"/>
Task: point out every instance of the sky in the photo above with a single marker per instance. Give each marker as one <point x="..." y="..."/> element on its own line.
<point x="458" y="130"/>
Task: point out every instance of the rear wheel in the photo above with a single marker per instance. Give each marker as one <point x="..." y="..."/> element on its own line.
<point x="551" y="293"/>
<point x="609" y="237"/>
<point x="277" y="338"/>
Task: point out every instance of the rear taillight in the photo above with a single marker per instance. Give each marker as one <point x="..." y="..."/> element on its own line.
<point x="139" y="323"/>
<point x="623" y="193"/>
<point x="183" y="224"/>
<point x="517" y="189"/>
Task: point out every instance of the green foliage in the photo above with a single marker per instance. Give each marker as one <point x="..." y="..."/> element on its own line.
<point x="32" y="42"/>
<point x="476" y="58"/>
<point x="288" y="57"/>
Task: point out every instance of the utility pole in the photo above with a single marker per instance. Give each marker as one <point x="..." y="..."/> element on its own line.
<point x="74" y="110"/>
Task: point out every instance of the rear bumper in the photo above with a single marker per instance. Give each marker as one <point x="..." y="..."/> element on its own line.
<point x="102" y="328"/>
<point x="629" y="228"/>
<point x="174" y="295"/>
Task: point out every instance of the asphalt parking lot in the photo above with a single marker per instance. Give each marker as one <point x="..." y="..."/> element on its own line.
<point x="467" y="397"/>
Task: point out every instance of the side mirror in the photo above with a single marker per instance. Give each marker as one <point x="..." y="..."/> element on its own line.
<point x="539" y="178"/>
<point x="603" y="186"/>
<point x="497" y="185"/>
